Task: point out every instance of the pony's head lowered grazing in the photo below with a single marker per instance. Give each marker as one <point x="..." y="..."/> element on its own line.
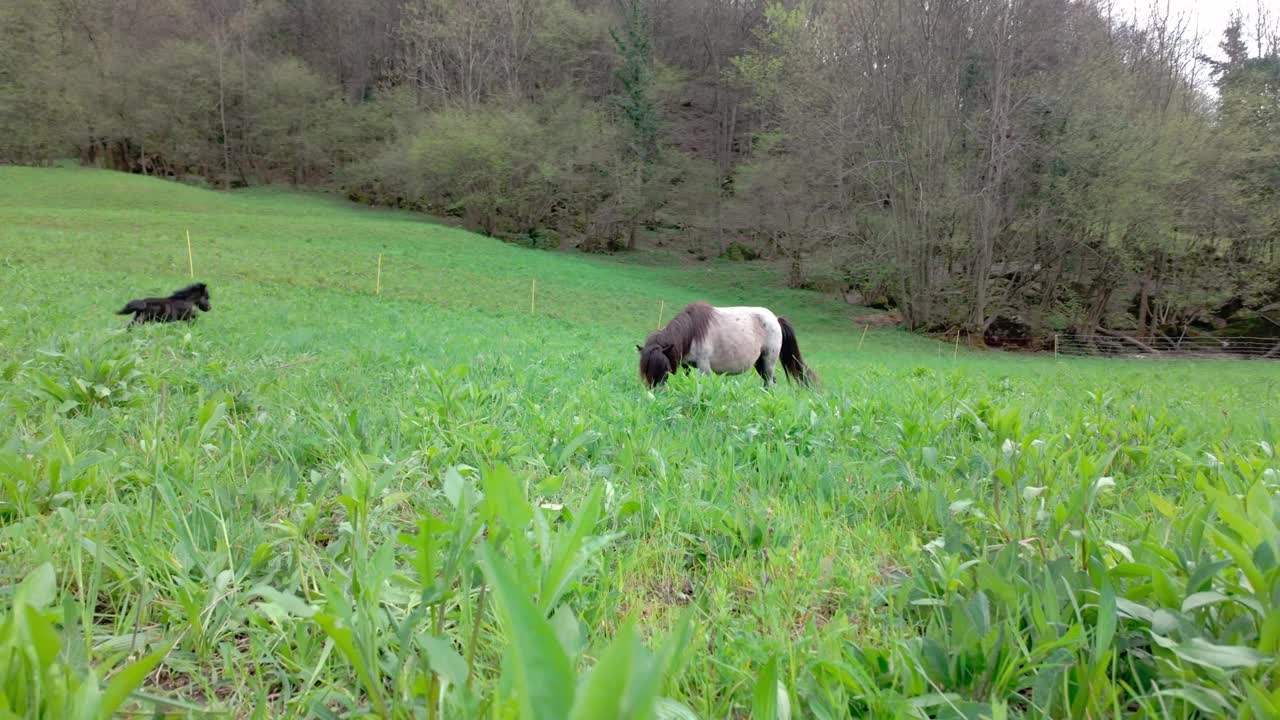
<point x="664" y="350"/>
<point x="725" y="341"/>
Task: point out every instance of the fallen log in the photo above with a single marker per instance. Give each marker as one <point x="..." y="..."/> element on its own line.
<point x="1129" y="339"/>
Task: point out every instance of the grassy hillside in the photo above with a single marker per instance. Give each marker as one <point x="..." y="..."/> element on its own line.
<point x="315" y="500"/>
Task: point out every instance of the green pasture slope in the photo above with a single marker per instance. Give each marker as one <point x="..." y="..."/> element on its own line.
<point x="315" y="502"/>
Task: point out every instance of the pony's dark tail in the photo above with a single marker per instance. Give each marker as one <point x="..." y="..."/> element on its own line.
<point x="790" y="358"/>
<point x="134" y="306"/>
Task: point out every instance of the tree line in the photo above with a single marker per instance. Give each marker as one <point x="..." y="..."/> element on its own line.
<point x="1002" y="167"/>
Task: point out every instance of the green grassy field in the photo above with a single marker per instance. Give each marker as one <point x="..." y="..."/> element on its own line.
<point x="315" y="502"/>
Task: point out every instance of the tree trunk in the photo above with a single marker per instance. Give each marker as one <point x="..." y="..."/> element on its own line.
<point x="992" y="192"/>
<point x="222" y="113"/>
<point x="1098" y="309"/>
<point x="1047" y="293"/>
<point x="981" y="272"/>
<point x="245" y="161"/>
<point x="1144" y="307"/>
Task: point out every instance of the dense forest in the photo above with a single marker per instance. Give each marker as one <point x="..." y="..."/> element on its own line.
<point x="1001" y="167"/>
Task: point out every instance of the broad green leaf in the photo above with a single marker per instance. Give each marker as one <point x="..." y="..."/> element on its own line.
<point x="42" y="635"/>
<point x="1259" y="508"/>
<point x="544" y="680"/>
<point x="286" y="602"/>
<point x="966" y="710"/>
<point x="931" y="700"/>
<point x="1045" y="690"/>
<point x="568" y="555"/>
<point x="991" y="580"/>
<point x="1201" y="599"/>
<point x="344" y="640"/>
<point x="1164" y="622"/>
<point x="425" y="555"/>
<point x="643" y="691"/>
<point x="1209" y="701"/>
<point x="1264" y="556"/>
<point x="574" y="445"/>
<point x="930" y="456"/>
<point x="668" y="709"/>
<point x="784" y="702"/>
<point x="1242" y="557"/>
<point x="208" y="417"/>
<point x="765" y="701"/>
<point x="1269" y="635"/>
<point x="1235" y="519"/>
<point x="1204" y="574"/>
<point x="443" y="659"/>
<point x="1130" y="609"/>
<point x="504" y="498"/>
<point x="126" y="681"/>
<point x="1262" y="705"/>
<point x="568" y="633"/>
<point x="1106" y="629"/>
<point x="1220" y="657"/>
<point x="453" y="485"/>
<point x="87" y="699"/>
<point x="1122" y="549"/>
<point x="604" y="693"/>
<point x="38" y="589"/>
<point x="934" y="659"/>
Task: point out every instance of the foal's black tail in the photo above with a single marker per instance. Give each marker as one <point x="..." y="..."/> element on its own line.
<point x="790" y="358"/>
<point x="134" y="306"/>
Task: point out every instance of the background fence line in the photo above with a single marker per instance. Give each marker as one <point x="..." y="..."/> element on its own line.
<point x="1114" y="345"/>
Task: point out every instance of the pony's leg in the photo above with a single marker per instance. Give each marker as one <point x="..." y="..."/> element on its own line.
<point x="703" y="363"/>
<point x="766" y="365"/>
<point x="766" y="372"/>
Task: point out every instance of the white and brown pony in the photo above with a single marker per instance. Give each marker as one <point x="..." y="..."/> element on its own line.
<point x="723" y="340"/>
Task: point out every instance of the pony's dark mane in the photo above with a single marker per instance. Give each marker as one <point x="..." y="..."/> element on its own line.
<point x="664" y="349"/>
<point x="190" y="291"/>
<point x="687" y="327"/>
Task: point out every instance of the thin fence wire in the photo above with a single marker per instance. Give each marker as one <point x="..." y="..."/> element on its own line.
<point x="1236" y="348"/>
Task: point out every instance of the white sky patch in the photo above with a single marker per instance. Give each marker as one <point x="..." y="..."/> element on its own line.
<point x="1207" y="18"/>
